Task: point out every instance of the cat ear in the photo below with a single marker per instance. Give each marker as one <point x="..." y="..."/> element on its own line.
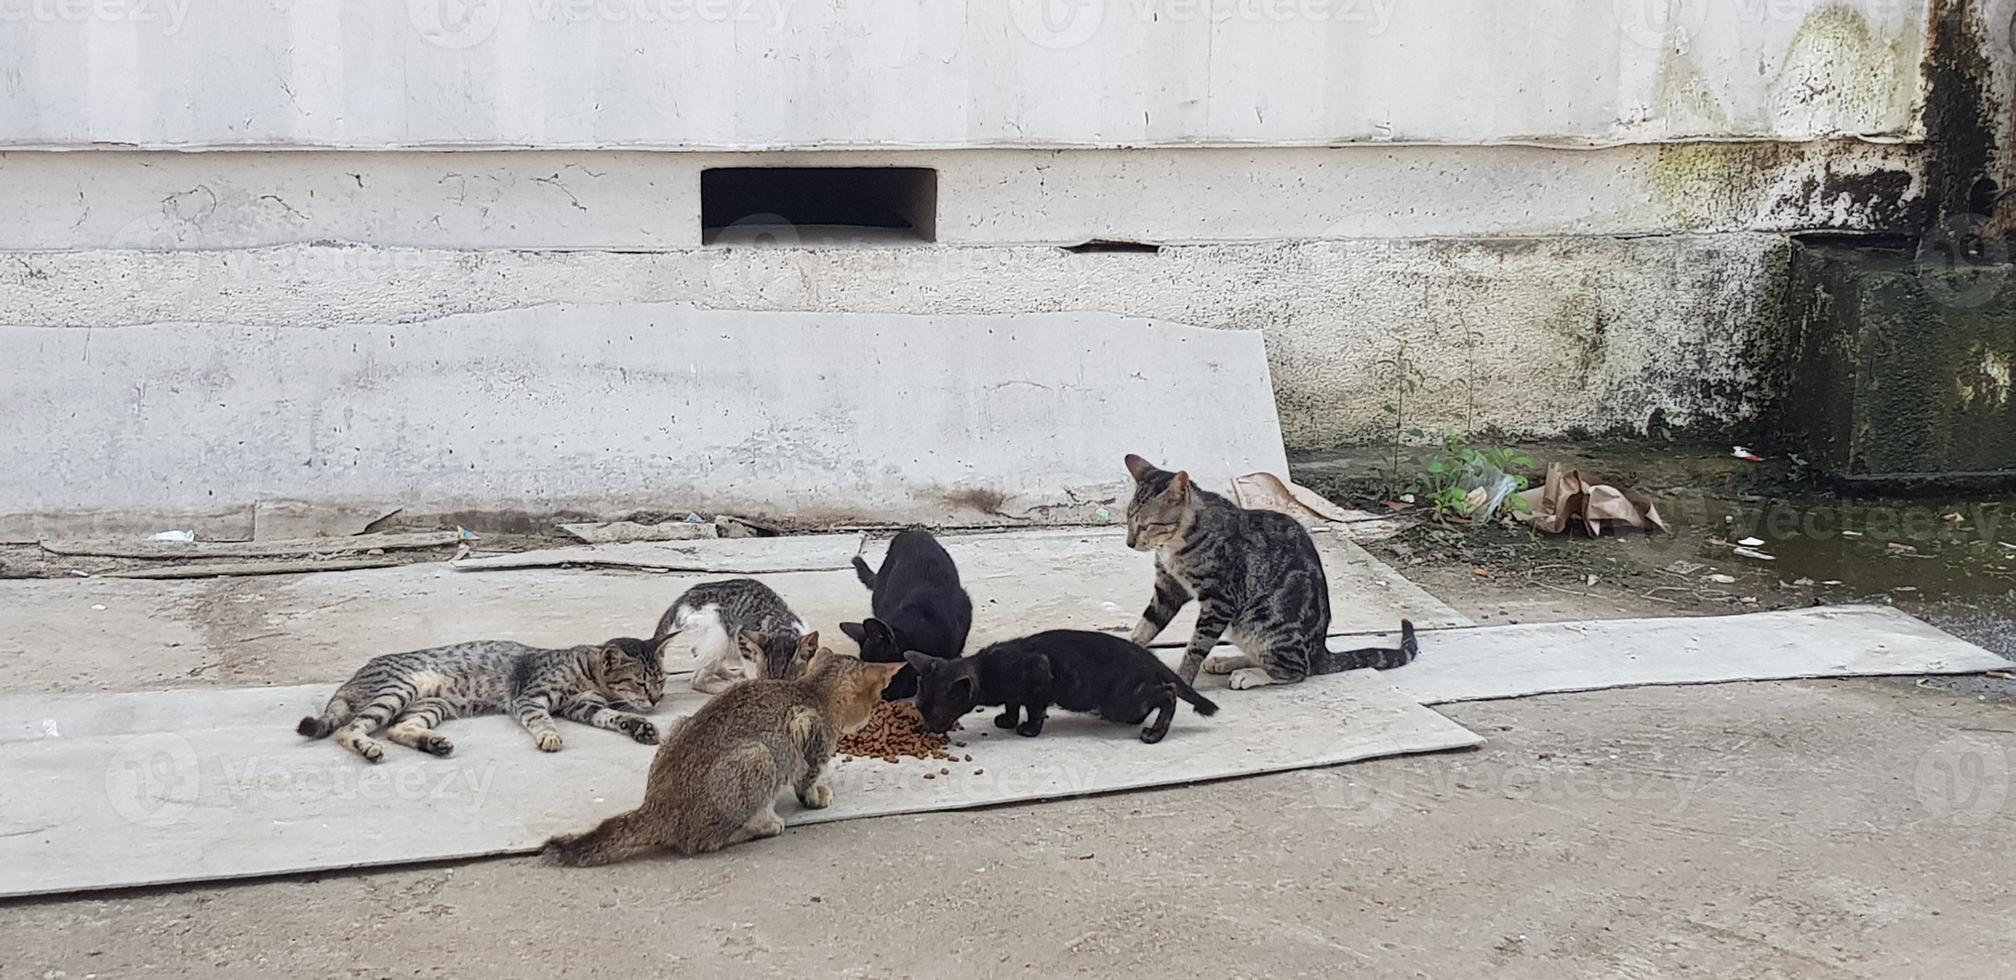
<point x="880" y="631"/>
<point x="924" y="662"/>
<point x="962" y="687"/>
<point x="600" y="664"/>
<point x="809" y="643"/>
<point x="1139" y="467"/>
<point x="1179" y="484"/>
<point x="642" y="651"/>
<point x="854" y="632"/>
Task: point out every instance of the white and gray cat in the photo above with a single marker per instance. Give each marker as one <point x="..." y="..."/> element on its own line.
<point x="740" y="630"/>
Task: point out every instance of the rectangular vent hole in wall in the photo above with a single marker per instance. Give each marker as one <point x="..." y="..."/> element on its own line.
<point x="818" y="205"/>
<point x="1098" y="245"/>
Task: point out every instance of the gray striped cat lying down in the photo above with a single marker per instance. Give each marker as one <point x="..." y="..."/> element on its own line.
<point x="414" y="692"/>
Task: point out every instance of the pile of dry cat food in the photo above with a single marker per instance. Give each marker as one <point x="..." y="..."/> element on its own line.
<point x="896" y="731"/>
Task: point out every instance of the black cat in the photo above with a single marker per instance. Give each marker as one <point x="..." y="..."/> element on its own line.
<point x="1076" y="670"/>
<point x="918" y="606"/>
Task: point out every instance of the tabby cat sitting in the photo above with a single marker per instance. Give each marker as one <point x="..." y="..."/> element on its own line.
<point x="1257" y="579"/>
<point x="418" y="690"/>
<point x="715" y="780"/>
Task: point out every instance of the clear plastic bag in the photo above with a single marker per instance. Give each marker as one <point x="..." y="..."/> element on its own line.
<point x="1486" y="488"/>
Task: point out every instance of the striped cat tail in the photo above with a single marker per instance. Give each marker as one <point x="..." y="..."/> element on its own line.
<point x="1203" y="704"/>
<point x="1379" y="658"/>
<point x="331" y="718"/>
<point x="619" y="838"/>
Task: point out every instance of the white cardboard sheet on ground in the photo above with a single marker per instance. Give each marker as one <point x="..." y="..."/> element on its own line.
<point x="75" y="634"/>
<point x="108" y="791"/>
<point x="118" y="790"/>
<point x="1541" y="658"/>
<point x="715" y="556"/>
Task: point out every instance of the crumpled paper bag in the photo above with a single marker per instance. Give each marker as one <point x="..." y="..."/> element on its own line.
<point x="1568" y="497"/>
<point x="1265" y="491"/>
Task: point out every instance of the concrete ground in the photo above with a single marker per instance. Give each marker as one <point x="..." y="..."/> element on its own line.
<point x="1788" y="829"/>
<point x="1840" y="828"/>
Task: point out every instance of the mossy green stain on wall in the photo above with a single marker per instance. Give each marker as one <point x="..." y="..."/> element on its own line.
<point x="1685" y="99"/>
<point x="1698" y="185"/>
<point x="1835" y="66"/>
<point x="1862" y="71"/>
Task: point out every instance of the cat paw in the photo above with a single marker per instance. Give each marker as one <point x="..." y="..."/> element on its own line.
<point x="549" y="741"/>
<point x="434" y="744"/>
<point x="1223" y="665"/>
<point x="1004" y="721"/>
<point x="1250" y="677"/>
<point x="639" y="729"/>
<point x="371" y="751"/>
<point x="818" y="798"/>
<point x="1029" y="729"/>
<point x="1153" y="735"/>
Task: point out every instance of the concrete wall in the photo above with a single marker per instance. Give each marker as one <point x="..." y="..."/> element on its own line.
<point x="636" y="200"/>
<point x="637" y="405"/>
<point x="951" y="73"/>
<point x="1533" y="335"/>
<point x="1552" y="215"/>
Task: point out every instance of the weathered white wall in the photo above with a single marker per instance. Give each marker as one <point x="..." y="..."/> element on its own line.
<point x="1556" y="213"/>
<point x="631" y="200"/>
<point x="1533" y="335"/>
<point x="769" y="74"/>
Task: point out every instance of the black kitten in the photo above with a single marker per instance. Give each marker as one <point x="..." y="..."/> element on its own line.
<point x="1076" y="670"/>
<point x="918" y="606"/>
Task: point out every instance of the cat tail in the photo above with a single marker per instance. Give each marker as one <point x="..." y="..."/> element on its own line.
<point x="331" y="718"/>
<point x="619" y="838"/>
<point x="866" y="574"/>
<point x="1380" y="658"/>
<point x="1205" y="706"/>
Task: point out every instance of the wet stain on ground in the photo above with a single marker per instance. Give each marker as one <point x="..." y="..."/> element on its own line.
<point x="1951" y="562"/>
